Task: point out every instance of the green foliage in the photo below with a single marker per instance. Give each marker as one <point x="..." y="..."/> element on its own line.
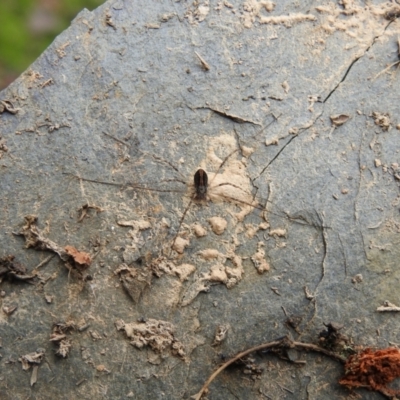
<point x="14" y="34"/>
<point x="20" y="42"/>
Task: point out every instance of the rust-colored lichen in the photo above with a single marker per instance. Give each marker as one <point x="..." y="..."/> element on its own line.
<point x="373" y="369"/>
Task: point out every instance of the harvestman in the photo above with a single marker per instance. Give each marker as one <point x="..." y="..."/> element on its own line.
<point x="201" y="186"/>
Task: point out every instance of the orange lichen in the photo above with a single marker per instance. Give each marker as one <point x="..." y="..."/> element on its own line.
<point x="373" y="369"/>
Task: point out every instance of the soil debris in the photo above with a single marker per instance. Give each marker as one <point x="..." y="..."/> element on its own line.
<point x="31" y="359"/>
<point x="59" y="337"/>
<point x="218" y="225"/>
<point x="14" y="271"/>
<point x="333" y="340"/>
<point x="388" y="307"/>
<point x="158" y="335"/>
<point x="3" y="147"/>
<point x="84" y="210"/>
<point x="75" y="261"/>
<point x="8" y="310"/>
<point x="180" y="244"/>
<point x="259" y="261"/>
<point x="199" y="230"/>
<point x="382" y="120"/>
<point x="109" y="21"/>
<point x="161" y="265"/>
<point x="134" y="281"/>
<point x="6" y="105"/>
<point x="220" y="334"/>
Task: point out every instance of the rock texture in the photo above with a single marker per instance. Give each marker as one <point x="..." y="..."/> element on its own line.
<point x="292" y="110"/>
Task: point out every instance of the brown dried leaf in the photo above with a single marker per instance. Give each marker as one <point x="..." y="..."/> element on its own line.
<point x="79" y="257"/>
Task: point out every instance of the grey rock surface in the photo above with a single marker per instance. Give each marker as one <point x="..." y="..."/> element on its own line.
<point x="292" y="109"/>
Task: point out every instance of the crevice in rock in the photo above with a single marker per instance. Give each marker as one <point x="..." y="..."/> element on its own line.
<point x="287" y="144"/>
<point x="353" y="62"/>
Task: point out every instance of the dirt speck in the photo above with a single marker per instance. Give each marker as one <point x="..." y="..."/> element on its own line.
<point x="285" y="87"/>
<point x="259" y="260"/>
<point x="218" y="225"/>
<point x="251" y="229"/>
<point x="339" y="119"/>
<point x="158" y="335"/>
<point x="209" y="254"/>
<point x="199" y="230"/>
<point x="184" y="270"/>
<point x="278" y="232"/>
<point x="272" y="141"/>
<point x="180" y="244"/>
<point x="252" y="9"/>
<point x="382" y="120"/>
<point x="140" y="225"/>
<point x="217" y="274"/>
<point x="247" y="151"/>
<point x="220" y="334"/>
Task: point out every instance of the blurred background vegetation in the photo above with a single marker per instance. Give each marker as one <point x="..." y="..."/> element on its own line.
<point x="27" y="27"/>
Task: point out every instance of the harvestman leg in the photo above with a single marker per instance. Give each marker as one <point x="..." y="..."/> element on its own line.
<point x="200" y="194"/>
<point x="200" y="184"/>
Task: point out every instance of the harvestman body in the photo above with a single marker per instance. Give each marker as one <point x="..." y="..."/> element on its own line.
<point x="200" y="184"/>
